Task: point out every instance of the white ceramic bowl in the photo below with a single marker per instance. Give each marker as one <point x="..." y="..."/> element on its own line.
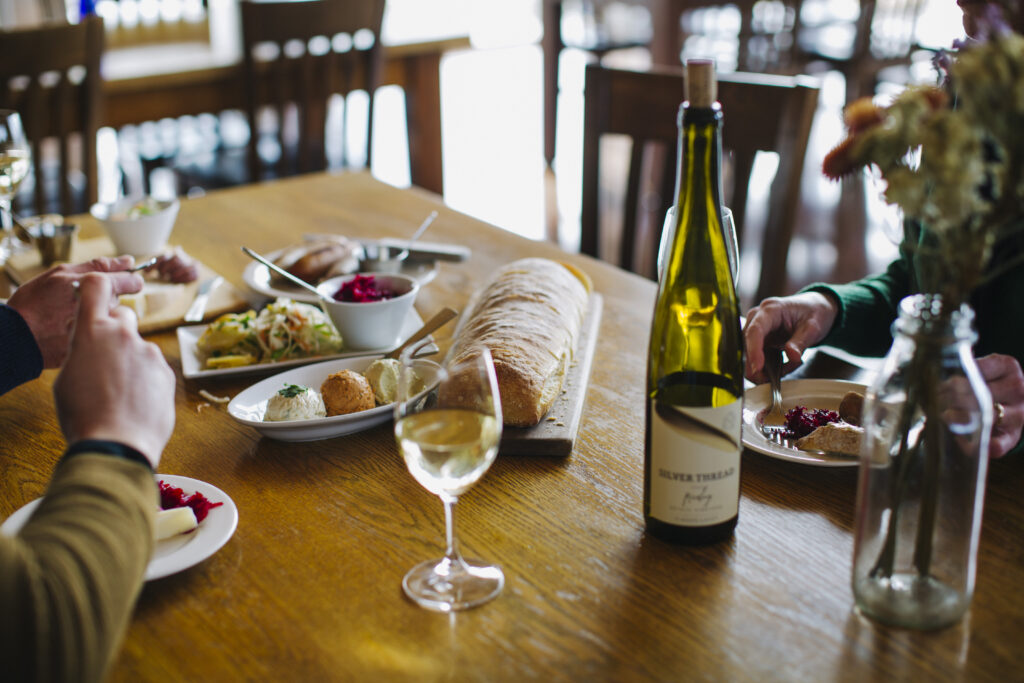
<point x="143" y="234"/>
<point x="370" y="324"/>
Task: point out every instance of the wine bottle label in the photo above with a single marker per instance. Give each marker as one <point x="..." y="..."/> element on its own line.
<point x="695" y="463"/>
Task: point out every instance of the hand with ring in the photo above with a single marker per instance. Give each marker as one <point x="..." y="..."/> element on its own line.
<point x="1006" y="384"/>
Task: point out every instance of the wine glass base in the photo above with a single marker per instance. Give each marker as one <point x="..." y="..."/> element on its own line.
<point x="447" y="586"/>
<point x="9" y="246"/>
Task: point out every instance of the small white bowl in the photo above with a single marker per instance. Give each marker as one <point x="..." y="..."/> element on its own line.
<point x="144" y="234"/>
<point x="370" y="324"/>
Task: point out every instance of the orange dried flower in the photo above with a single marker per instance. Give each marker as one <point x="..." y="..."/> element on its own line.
<point x="839" y="162"/>
<point x="936" y="98"/>
<point x="861" y="115"/>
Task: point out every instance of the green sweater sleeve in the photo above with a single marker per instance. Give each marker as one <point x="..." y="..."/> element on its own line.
<point x="70" y="578"/>
<point x="867" y="308"/>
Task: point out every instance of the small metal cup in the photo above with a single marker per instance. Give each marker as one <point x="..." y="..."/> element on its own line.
<point x="54" y="241"/>
<point x="382" y="259"/>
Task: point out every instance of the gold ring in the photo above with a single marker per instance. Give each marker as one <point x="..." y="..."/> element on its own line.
<point x="1000" y="413"/>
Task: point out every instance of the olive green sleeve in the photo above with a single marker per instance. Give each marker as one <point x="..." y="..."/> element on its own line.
<point x="70" y="578"/>
<point x="867" y="309"/>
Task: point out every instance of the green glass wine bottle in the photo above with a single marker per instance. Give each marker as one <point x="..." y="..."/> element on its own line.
<point x="695" y="359"/>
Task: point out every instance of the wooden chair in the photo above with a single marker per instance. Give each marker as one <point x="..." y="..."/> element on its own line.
<point x="763" y="38"/>
<point x="599" y="43"/>
<point x="138" y="23"/>
<point x="51" y="76"/>
<point x="293" y="62"/>
<point x="882" y="35"/>
<point x="759" y="34"/>
<point x="761" y="113"/>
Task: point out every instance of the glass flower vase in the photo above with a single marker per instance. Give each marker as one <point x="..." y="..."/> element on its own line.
<point x="926" y="419"/>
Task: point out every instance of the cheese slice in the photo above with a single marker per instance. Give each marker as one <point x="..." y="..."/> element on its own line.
<point x="173" y="522"/>
<point x="155" y="298"/>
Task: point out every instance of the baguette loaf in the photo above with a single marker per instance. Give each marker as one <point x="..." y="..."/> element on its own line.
<point x="529" y="315"/>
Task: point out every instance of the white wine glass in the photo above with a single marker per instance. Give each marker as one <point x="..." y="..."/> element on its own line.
<point x="448" y="424"/>
<point x="732" y="247"/>
<point x="15" y="155"/>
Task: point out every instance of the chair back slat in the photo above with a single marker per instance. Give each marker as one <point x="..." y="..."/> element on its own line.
<point x="304" y="83"/>
<point x="60" y="112"/>
<point x="761" y="113"/>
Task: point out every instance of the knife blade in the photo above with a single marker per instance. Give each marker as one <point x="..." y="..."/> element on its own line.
<point x="197" y="310"/>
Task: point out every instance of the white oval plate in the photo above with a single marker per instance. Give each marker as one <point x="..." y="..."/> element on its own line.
<point x="178" y="553"/>
<point x="810" y="393"/>
<point x="250" y="405"/>
<point x="257" y="276"/>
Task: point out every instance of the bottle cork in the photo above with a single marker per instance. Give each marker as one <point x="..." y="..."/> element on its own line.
<point x="700" y="87"/>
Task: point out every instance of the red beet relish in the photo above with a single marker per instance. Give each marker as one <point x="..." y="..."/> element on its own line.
<point x="362" y="288"/>
<point x="800" y="421"/>
<point x="172" y="497"/>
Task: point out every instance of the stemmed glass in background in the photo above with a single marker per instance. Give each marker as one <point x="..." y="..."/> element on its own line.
<point x="448" y="424"/>
<point x="14" y="162"/>
<point x="732" y="247"/>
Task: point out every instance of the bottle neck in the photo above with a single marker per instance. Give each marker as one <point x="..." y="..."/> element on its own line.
<point x="698" y="178"/>
<point x="924" y="316"/>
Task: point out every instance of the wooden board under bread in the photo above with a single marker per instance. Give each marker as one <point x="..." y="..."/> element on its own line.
<point x="555" y="434"/>
<point x="223" y="299"/>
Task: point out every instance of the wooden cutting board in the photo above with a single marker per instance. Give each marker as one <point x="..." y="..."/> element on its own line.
<point x="555" y="434"/>
<point x="223" y="299"/>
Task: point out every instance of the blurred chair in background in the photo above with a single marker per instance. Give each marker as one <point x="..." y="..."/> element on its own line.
<point x="861" y="43"/>
<point x="51" y="75"/>
<point x="132" y="23"/>
<point x="868" y="44"/>
<point x="755" y="36"/>
<point x="297" y="55"/>
<point x="762" y="113"/>
<point x="599" y="27"/>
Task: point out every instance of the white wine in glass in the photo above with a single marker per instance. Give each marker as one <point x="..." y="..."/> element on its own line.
<point x="15" y="156"/>
<point x="448" y="424"/>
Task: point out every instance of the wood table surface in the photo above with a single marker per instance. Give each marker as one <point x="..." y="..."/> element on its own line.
<point x="308" y="588"/>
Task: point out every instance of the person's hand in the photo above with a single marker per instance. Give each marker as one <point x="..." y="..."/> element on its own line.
<point x="1006" y="384"/>
<point x="176" y="266"/>
<point x="790" y="323"/>
<point x="114" y="385"/>
<point x="48" y="301"/>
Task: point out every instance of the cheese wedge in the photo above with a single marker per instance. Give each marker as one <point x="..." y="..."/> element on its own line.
<point x="155" y="298"/>
<point x="173" y="522"/>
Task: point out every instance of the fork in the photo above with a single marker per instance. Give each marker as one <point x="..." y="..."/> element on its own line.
<point x="773" y="423"/>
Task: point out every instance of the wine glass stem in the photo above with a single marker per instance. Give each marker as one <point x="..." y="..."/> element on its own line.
<point x="451" y="540"/>
<point x="5" y="215"/>
<point x="6" y="230"/>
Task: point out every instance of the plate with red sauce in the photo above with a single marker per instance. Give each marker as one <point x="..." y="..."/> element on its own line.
<point x="808" y="393"/>
<point x="257" y="276"/>
<point x="180" y="552"/>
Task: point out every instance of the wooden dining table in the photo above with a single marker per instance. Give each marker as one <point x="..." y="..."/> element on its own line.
<point x="309" y="586"/>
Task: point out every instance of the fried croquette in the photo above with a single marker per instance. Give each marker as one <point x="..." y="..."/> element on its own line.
<point x="346" y="392"/>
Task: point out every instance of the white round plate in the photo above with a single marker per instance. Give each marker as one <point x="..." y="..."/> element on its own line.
<point x="257" y="276"/>
<point x="809" y="393"/>
<point x="250" y="405"/>
<point x="178" y="553"/>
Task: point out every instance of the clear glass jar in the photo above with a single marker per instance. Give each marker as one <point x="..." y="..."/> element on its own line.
<point x="927" y="420"/>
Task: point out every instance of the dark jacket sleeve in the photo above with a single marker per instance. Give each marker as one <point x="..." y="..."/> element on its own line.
<point x="70" y="578"/>
<point x="20" y="357"/>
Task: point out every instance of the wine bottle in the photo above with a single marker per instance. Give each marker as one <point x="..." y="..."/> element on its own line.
<point x="695" y="359"/>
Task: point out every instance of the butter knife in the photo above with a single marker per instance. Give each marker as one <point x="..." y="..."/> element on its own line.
<point x="197" y="310"/>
